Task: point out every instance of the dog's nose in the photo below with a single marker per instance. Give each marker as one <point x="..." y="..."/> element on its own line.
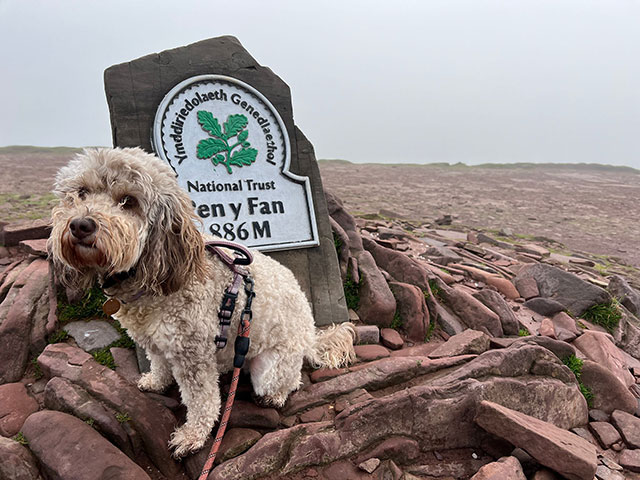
<point x="82" y="227"/>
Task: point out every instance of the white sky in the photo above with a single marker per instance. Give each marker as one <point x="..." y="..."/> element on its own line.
<point x="404" y="81"/>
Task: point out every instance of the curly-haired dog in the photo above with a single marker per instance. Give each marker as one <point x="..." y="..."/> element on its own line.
<point x="121" y="210"/>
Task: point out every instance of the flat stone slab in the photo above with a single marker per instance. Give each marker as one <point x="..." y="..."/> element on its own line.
<point x="92" y="335"/>
<point x="469" y="341"/>
<point x="629" y="426"/>
<point x="558" y="449"/>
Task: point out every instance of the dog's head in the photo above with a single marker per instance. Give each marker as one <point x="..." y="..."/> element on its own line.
<point x="122" y="209"/>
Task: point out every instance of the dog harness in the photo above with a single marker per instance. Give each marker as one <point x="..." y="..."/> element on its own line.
<point x="243" y="258"/>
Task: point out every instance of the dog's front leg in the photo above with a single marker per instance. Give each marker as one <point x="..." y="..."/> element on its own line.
<point x="201" y="395"/>
<point x="159" y="377"/>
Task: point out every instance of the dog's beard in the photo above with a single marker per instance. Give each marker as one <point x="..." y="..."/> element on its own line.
<point x="115" y="247"/>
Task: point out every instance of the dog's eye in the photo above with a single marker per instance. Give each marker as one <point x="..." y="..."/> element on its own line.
<point x="128" y="202"/>
<point x="82" y="193"/>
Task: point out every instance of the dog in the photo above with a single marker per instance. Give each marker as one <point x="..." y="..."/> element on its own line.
<point x="123" y="221"/>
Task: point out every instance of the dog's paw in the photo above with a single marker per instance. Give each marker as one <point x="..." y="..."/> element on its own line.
<point x="149" y="383"/>
<point x="186" y="439"/>
<point x="277" y="400"/>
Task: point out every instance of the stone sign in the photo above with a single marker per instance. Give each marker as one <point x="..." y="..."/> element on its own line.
<point x="225" y="125"/>
<point x="230" y="150"/>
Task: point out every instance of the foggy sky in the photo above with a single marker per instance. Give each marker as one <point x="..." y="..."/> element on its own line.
<point x="469" y="81"/>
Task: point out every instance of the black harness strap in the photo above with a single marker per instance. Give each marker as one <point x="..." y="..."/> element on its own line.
<point x="228" y="305"/>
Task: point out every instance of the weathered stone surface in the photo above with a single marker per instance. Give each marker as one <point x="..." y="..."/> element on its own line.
<point x="126" y="363"/>
<point x="565" y="327"/>
<point x="67" y="447"/>
<point x="629" y="427"/>
<point x="544" y="306"/>
<point x="544" y="475"/>
<point x="562" y="350"/>
<point x="15" y="406"/>
<point x="36" y="247"/>
<point x="367" y="353"/>
<point x="152" y="421"/>
<point x="526" y="376"/>
<point x="630" y="298"/>
<point x="370" y="465"/>
<point x="551" y="446"/>
<point x="599" y="348"/>
<point x="546" y="328"/>
<point x="449" y="322"/>
<point x="497" y="304"/>
<point x="235" y="442"/>
<point x="606" y="433"/>
<point x="574" y="294"/>
<point x="62" y="395"/>
<point x="391" y="339"/>
<point x="133" y="99"/>
<point x="504" y="286"/>
<point x="469" y="341"/>
<point x="627" y="335"/>
<point x="412" y="308"/>
<point x="250" y="415"/>
<point x="377" y="304"/>
<point x="442" y="255"/>
<point x="16" y="321"/>
<point x="527" y="287"/>
<point x="503" y="469"/>
<point x="11" y="234"/>
<point x="596" y="415"/>
<point x="367" y="334"/>
<point x="609" y="393"/>
<point x="605" y="473"/>
<point x="401" y="449"/>
<point x="400" y="266"/>
<point x="471" y="311"/>
<point x="18" y="463"/>
<point x="630" y="459"/>
<point x="92" y="335"/>
<point x="345" y="220"/>
<point x="374" y="376"/>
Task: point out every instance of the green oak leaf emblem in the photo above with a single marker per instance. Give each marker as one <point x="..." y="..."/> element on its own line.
<point x="219" y="148"/>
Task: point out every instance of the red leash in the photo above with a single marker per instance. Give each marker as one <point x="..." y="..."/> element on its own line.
<point x="241" y="349"/>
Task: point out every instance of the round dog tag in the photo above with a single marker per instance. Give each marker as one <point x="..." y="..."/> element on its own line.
<point x="111" y="306"/>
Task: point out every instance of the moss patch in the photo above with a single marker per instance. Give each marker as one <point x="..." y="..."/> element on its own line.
<point x="19" y="437"/>
<point x="397" y="321"/>
<point x="104" y="357"/>
<point x="607" y="314"/>
<point x="351" y="292"/>
<point x="523" y="332"/>
<point x="435" y="289"/>
<point x="88" y="308"/>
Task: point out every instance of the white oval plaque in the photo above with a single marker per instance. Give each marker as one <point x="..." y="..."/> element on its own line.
<point x="230" y="150"/>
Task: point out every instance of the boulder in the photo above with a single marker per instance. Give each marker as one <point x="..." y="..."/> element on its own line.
<point x="565" y="327"/>
<point x="527" y="287"/>
<point x="562" y="350"/>
<point x="544" y="306"/>
<point x="18" y="463"/>
<point x="16" y="319"/>
<point x="629" y="427"/>
<point x="546" y="329"/>
<point x="573" y="293"/>
<point x="15" y="406"/>
<point x="368" y="353"/>
<point x="620" y="289"/>
<point x="494" y="301"/>
<point x="605" y="433"/>
<point x="412" y="308"/>
<point x="627" y="334"/>
<point x="62" y="395"/>
<point x="377" y="304"/>
<point x="469" y="341"/>
<point x="153" y="422"/>
<point x="391" y="339"/>
<point x="69" y="449"/>
<point x="630" y="459"/>
<point x="558" y="449"/>
<point x="400" y="266"/>
<point x="471" y="311"/>
<point x="505" y="468"/>
<point x="448" y="321"/>
<point x="609" y="393"/>
<point x="599" y="348"/>
<point x="346" y="221"/>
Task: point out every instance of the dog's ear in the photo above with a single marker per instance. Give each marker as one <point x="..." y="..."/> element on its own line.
<point x="174" y="252"/>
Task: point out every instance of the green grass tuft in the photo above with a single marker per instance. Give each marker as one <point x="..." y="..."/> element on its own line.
<point x="351" y="292"/>
<point x="123" y="417"/>
<point x="86" y="309"/>
<point x="104" y="357"/>
<point x="607" y="314"/>
<point x="37" y="371"/>
<point x="523" y="332"/>
<point x="575" y="365"/>
<point x="58" y="336"/>
<point x="397" y="321"/>
<point x="435" y="289"/>
<point x="427" y="337"/>
<point x="19" y="437"/>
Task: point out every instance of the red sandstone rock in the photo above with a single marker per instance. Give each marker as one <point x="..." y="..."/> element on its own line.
<point x="467" y="342"/>
<point x="503" y="469"/>
<point x="367" y="353"/>
<point x="412" y="309"/>
<point x="15" y="406"/>
<point x="391" y="339"/>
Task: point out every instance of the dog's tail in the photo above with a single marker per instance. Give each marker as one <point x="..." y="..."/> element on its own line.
<point x="334" y="346"/>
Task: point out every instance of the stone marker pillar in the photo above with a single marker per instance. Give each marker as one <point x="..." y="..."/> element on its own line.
<point x="225" y="125"/>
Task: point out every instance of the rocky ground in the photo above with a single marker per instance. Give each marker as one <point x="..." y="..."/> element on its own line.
<point x="477" y="358"/>
<point x="481" y="354"/>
